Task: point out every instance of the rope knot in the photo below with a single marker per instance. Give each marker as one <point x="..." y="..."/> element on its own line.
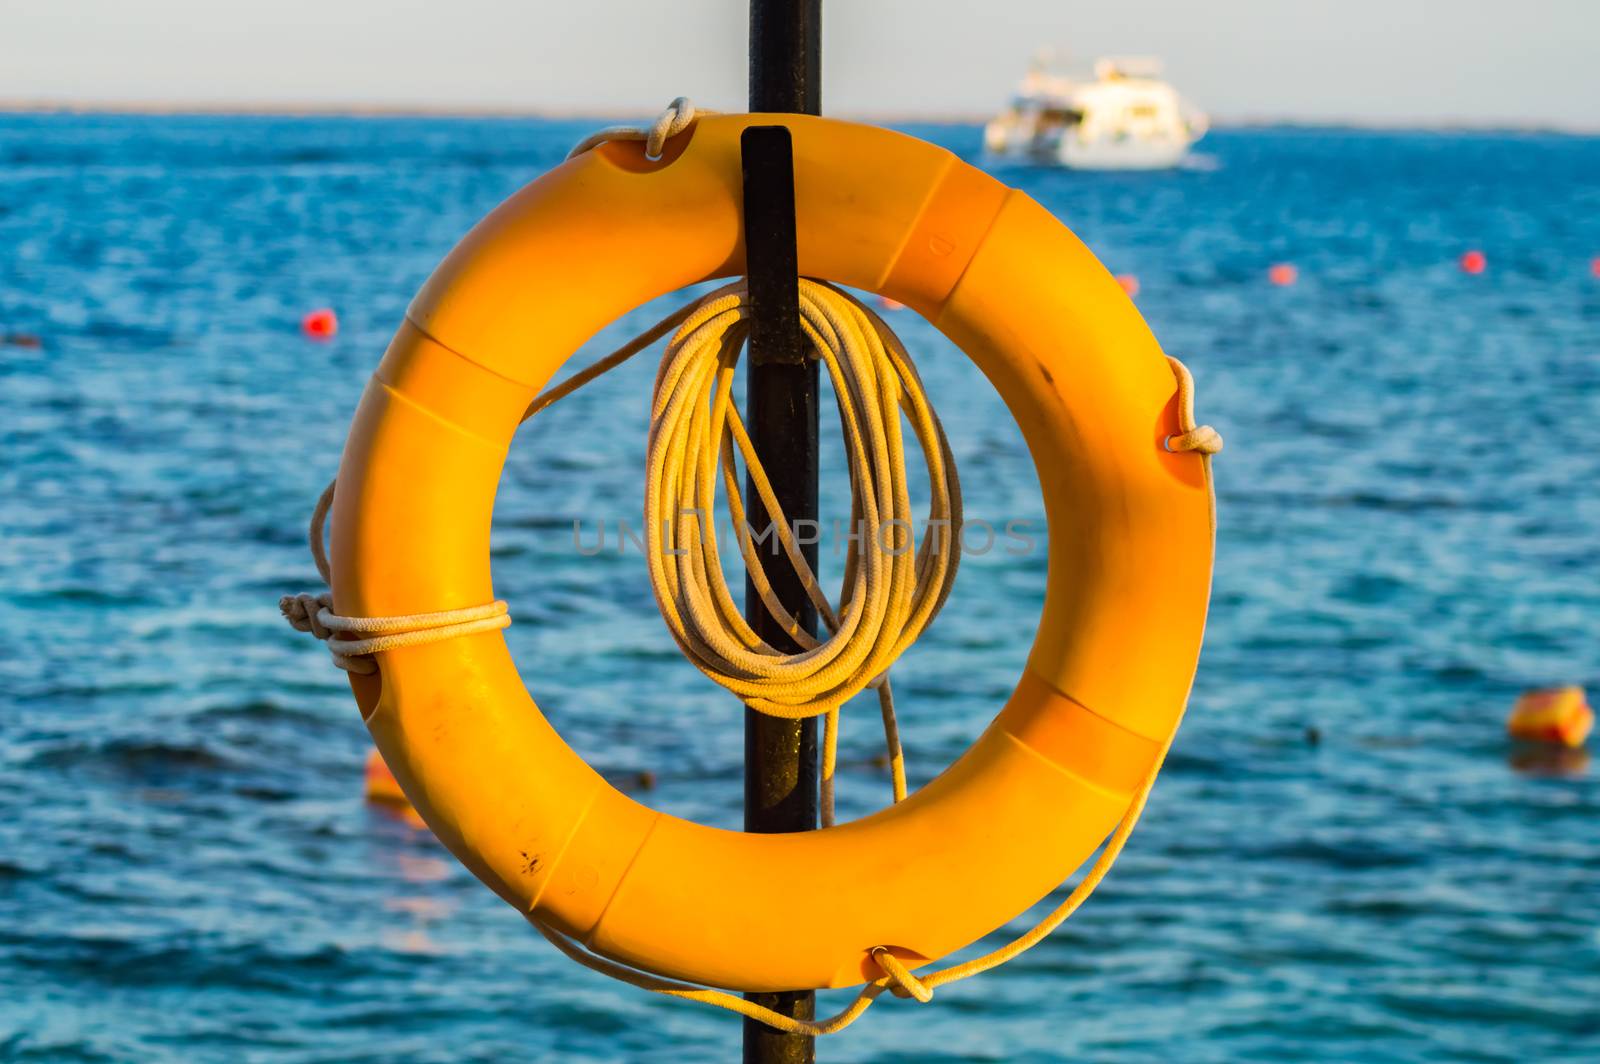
<point x="902" y="984"/>
<point x="1202" y="439"/>
<point x="1199" y="439"/>
<point x="366" y="636"/>
<point x="303" y="611"/>
<point x="679" y="115"/>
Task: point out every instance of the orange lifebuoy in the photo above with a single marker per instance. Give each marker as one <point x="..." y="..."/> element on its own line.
<point x="1106" y="680"/>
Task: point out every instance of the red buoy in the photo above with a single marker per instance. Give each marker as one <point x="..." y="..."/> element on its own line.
<point x="885" y="303"/>
<point x="1594" y="265"/>
<point x="1129" y="283"/>
<point x="322" y="323"/>
<point x="1474" y="262"/>
<point x="1283" y="274"/>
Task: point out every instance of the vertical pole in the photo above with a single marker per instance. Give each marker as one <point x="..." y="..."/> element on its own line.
<point x="781" y="772"/>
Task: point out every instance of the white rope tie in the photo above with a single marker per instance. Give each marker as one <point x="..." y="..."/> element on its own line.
<point x="679" y="116"/>
<point x="313" y="613"/>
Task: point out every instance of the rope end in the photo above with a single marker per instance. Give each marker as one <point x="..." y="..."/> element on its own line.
<point x="301" y="611"/>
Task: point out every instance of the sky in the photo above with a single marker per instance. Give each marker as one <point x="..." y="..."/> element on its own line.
<point x="1406" y="62"/>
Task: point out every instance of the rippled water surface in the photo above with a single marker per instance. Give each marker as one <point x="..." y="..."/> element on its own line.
<point x="1410" y="534"/>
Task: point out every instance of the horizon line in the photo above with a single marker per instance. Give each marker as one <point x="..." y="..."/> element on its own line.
<point x="349" y="109"/>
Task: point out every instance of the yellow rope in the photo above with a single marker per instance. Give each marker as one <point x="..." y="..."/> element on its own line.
<point x="888" y="594"/>
<point x="891" y="589"/>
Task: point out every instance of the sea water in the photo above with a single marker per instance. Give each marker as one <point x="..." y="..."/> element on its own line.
<point x="1344" y="861"/>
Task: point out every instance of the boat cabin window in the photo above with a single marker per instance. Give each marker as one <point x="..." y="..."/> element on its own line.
<point x="1052" y="117"/>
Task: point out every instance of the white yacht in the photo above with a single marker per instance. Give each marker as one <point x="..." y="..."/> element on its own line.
<point x="1127" y="118"/>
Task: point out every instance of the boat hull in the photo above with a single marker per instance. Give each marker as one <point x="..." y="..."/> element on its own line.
<point x="1076" y="154"/>
<point x="1121" y="155"/>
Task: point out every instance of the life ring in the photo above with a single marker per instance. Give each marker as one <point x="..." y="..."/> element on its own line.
<point x="1130" y="549"/>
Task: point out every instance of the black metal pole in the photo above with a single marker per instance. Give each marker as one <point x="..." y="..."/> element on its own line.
<point x="780" y="767"/>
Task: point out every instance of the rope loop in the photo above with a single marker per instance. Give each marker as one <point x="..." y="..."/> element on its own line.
<point x="902" y="983"/>
<point x="678" y="116"/>
<point x="303" y="611"/>
<point x="1202" y="439"/>
<point x="892" y="587"/>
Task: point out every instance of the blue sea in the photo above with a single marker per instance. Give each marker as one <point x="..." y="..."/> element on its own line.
<point x="1345" y="859"/>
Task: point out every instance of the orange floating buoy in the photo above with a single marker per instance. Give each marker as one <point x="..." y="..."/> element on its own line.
<point x="1283" y="274"/>
<point x="885" y="303"/>
<point x="1559" y="715"/>
<point x="1474" y="262"/>
<point x="383" y="789"/>
<point x="1129" y="283"/>
<point x="1594" y="265"/>
<point x="322" y="323"/>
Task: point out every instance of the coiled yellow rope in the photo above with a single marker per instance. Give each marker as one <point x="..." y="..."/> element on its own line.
<point x="891" y="588"/>
<point x="888" y="596"/>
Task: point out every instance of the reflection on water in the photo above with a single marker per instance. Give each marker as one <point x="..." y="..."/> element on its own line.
<point x="1547" y="760"/>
